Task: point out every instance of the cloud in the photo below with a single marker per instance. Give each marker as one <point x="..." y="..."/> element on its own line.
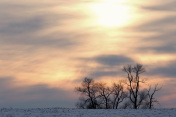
<point x="166" y="96"/>
<point x="99" y="73"/>
<point x="164" y="43"/>
<point x="164" y="39"/>
<point x="52" y="42"/>
<point x="159" y="25"/>
<point x="108" y="65"/>
<point x="24" y="33"/>
<point x="165" y="71"/>
<point x="38" y="24"/>
<point x="39" y="95"/>
<point x="170" y="48"/>
<point x="167" y="37"/>
<point x="20" y="27"/>
<point x="170" y="6"/>
<point x="112" y="60"/>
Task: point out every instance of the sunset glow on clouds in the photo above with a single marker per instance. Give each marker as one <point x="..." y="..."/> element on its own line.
<point x="48" y="47"/>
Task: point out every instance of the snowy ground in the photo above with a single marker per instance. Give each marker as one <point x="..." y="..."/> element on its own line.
<point x="53" y="112"/>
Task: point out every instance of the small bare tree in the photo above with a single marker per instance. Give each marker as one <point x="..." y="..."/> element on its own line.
<point x="133" y="83"/>
<point x="104" y="94"/>
<point x="150" y="94"/>
<point x="118" y="94"/>
<point x="88" y="90"/>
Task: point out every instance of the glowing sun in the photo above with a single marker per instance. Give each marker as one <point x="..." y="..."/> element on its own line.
<point x="111" y="14"/>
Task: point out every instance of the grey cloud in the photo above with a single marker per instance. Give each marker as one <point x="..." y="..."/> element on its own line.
<point x="168" y="71"/>
<point x="42" y="42"/>
<point x="98" y="73"/>
<point x="165" y="35"/>
<point x="167" y="93"/>
<point x="168" y="48"/>
<point x="110" y="65"/>
<point x="23" y="24"/>
<point x="39" y="95"/>
<point x="20" y="27"/>
<point x="168" y="40"/>
<point x="112" y="60"/>
<point x="160" y="25"/>
<point x="24" y="33"/>
<point x="164" y="7"/>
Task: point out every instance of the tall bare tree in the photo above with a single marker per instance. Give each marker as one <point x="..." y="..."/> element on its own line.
<point x="133" y="83"/>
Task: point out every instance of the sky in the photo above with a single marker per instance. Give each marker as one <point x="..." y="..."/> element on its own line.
<point x="47" y="47"/>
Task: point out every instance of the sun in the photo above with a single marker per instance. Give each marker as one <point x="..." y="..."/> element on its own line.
<point x="111" y="14"/>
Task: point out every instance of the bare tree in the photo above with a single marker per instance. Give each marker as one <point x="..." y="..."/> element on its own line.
<point x="118" y="94"/>
<point x="150" y="95"/>
<point x="104" y="94"/>
<point x="133" y="83"/>
<point x="88" y="90"/>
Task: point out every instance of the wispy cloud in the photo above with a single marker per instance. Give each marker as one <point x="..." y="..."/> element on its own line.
<point x="38" y="95"/>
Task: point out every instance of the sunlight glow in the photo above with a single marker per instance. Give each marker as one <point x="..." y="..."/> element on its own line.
<point x="111" y="14"/>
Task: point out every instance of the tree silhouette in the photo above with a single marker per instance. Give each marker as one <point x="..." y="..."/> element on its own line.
<point x="97" y="95"/>
<point x="104" y="94"/>
<point x="118" y="94"/>
<point x="89" y="90"/>
<point x="133" y="84"/>
<point x="150" y="95"/>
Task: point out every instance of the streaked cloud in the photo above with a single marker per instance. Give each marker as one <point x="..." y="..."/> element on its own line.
<point x="169" y="6"/>
<point x="165" y="71"/>
<point x="39" y="95"/>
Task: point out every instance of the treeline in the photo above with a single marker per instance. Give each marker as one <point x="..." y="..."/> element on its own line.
<point x="123" y="94"/>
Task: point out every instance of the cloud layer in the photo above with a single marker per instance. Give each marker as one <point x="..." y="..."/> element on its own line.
<point x="38" y="96"/>
<point x="55" y="43"/>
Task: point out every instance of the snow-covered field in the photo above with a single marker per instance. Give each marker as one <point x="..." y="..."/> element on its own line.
<point x="54" y="112"/>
